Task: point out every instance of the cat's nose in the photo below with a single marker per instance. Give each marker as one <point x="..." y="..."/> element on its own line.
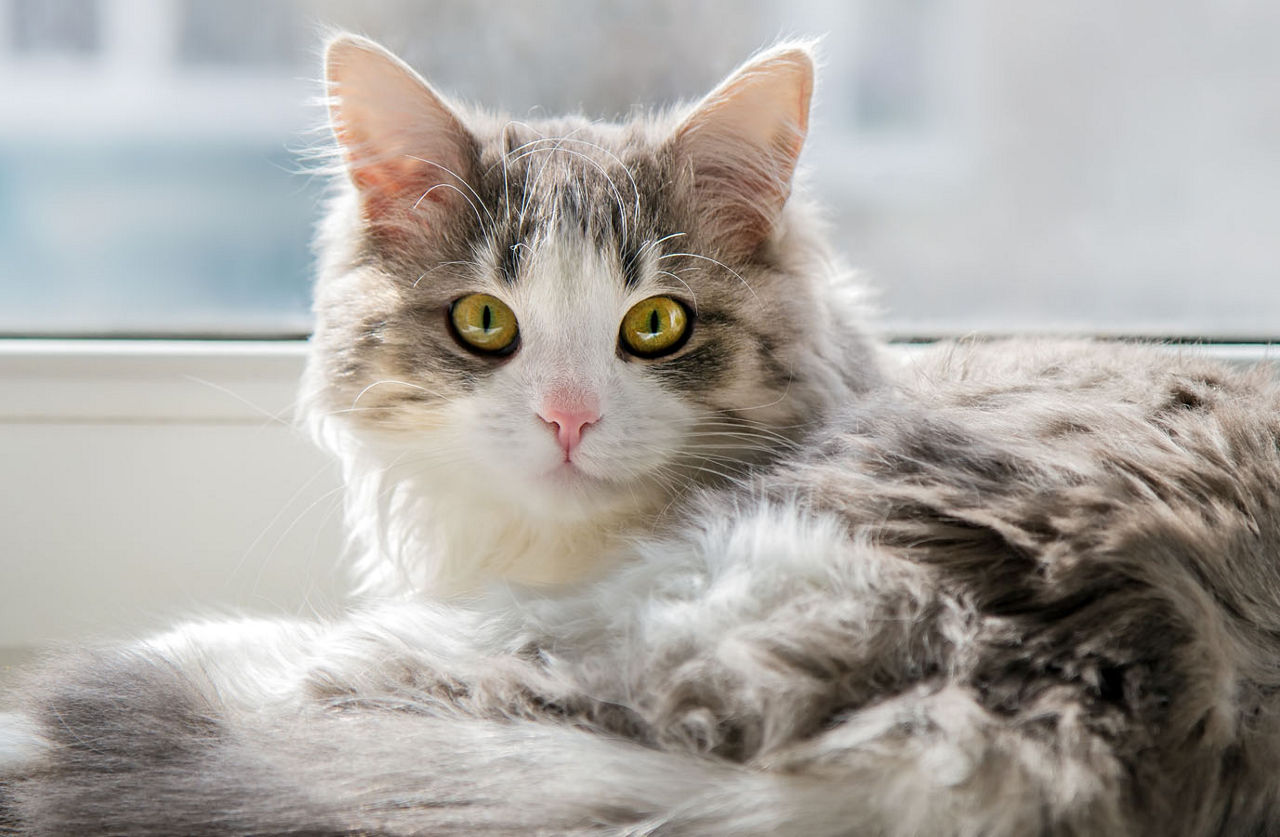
<point x="569" y="424"/>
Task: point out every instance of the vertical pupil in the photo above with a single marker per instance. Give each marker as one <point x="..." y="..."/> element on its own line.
<point x="486" y="319"/>
<point x="654" y="323"/>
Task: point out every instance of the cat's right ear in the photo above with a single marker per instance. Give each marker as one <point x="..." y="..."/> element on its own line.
<point x="741" y="144"/>
<point x="406" y="151"/>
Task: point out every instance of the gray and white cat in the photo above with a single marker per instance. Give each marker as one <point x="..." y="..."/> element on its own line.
<point x="655" y="541"/>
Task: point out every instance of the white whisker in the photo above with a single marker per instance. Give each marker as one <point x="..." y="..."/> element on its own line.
<point x="424" y="195"/>
<point x="431" y="270"/>
<point x="744" y="282"/>
<point x="356" y="400"/>
<point x="461" y="180"/>
<point x="692" y="296"/>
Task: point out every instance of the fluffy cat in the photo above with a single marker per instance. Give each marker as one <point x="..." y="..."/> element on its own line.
<point x="656" y="542"/>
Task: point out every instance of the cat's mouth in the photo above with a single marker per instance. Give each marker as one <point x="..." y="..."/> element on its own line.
<point x="571" y="472"/>
<point x="573" y="491"/>
<point x="570" y="475"/>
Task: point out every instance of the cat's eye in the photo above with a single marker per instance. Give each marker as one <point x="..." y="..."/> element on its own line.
<point x="484" y="323"/>
<point x="657" y="326"/>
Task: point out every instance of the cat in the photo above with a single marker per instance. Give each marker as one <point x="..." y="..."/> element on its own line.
<point x="654" y="539"/>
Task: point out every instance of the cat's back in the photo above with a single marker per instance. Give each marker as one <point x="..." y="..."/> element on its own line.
<point x="1086" y="538"/>
<point x="1023" y="415"/>
<point x="1063" y="454"/>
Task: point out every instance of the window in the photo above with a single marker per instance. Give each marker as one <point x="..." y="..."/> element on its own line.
<point x="66" y="27"/>
<point x="996" y="169"/>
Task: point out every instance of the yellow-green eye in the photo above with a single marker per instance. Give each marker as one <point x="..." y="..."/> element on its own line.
<point x="484" y="323"/>
<point x="655" y="327"/>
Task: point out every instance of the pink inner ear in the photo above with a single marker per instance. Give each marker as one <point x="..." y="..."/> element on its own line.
<point x="400" y="179"/>
<point x="406" y="185"/>
<point x="387" y="189"/>
<point x="406" y="149"/>
<point x="742" y="144"/>
<point x="739" y="198"/>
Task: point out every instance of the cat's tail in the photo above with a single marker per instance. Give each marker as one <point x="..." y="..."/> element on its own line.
<point x="134" y="745"/>
<point x="127" y="743"/>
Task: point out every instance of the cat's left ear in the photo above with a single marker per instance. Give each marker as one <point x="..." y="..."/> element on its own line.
<point x="742" y="142"/>
<point x="406" y="150"/>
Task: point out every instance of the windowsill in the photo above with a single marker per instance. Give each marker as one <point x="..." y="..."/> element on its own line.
<point x="129" y="381"/>
<point x="246" y="382"/>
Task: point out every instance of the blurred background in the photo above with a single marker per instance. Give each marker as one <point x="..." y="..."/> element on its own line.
<point x="990" y="165"/>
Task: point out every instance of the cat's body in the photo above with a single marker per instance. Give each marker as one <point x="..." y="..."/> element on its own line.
<point x="1005" y="588"/>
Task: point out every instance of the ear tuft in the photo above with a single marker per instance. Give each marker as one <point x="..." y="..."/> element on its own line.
<point x="742" y="143"/>
<point x="406" y="150"/>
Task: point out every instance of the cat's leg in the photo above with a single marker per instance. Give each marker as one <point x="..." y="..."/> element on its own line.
<point x="837" y="673"/>
<point x="926" y="763"/>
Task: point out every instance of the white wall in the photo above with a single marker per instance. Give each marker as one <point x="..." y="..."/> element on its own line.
<point x="147" y="481"/>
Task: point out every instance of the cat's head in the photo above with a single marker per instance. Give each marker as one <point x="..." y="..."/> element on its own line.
<point x="570" y="317"/>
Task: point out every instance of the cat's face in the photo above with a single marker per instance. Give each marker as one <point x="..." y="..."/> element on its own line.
<point x="565" y="316"/>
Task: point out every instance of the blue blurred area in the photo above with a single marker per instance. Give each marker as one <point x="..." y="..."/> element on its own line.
<point x="154" y="237"/>
<point x="1097" y="167"/>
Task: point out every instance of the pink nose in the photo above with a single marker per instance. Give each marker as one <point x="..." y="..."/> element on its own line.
<point x="569" y="424"/>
